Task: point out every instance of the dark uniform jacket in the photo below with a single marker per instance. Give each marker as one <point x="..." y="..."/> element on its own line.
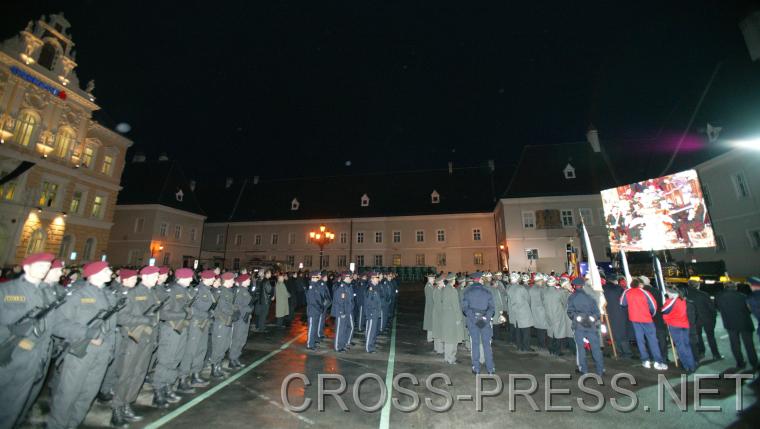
<point x="82" y="304"/>
<point x="314" y="302"/>
<point x="734" y="311"/>
<point x="173" y="312"/>
<point x="704" y="306"/>
<point x="622" y="329"/>
<point x="372" y="304"/>
<point x="201" y="306"/>
<point x="225" y="307"/>
<point x="580" y="304"/>
<point x="132" y="318"/>
<point x="343" y="300"/>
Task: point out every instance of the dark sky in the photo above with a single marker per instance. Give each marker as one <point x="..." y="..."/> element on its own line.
<point x="284" y="88"/>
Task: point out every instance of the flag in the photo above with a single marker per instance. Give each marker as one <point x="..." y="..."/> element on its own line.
<point x="659" y="279"/>
<point x="628" y="278"/>
<point x="593" y="270"/>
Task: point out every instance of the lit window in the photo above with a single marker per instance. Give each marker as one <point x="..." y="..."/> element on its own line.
<point x="397" y="236"/>
<point x="396" y="260"/>
<point x="97" y="207"/>
<point x="477" y="258"/>
<point x="49" y="191"/>
<point x="419" y="259"/>
<point x="307" y="261"/>
<point x="87" y="156"/>
<point x="65" y="249"/>
<point x="343" y="238"/>
<point x="7" y="189"/>
<point x="25" y="128"/>
<point x="441" y="259"/>
<point x="257" y="239"/>
<point x="569" y="171"/>
<point x="139" y="224"/>
<point x="359" y="260"/>
<point x="360" y="237"/>
<point x="164" y="227"/>
<point x="36" y="242"/>
<point x="476" y="234"/>
<point x="420" y="236"/>
<point x="63" y="142"/>
<point x="325" y="261"/>
<point x="378" y="260"/>
<point x="378" y="237"/>
<point x="440" y="235"/>
<point x="107" y="165"/>
<point x="529" y="220"/>
<point x="177" y="231"/>
<point x="587" y="216"/>
<point x="568" y="220"/>
<point x="291" y="260"/>
<point x="89" y="248"/>
<point x="294" y="204"/>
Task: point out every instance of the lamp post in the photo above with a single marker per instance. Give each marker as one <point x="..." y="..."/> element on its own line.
<point x="321" y="237"/>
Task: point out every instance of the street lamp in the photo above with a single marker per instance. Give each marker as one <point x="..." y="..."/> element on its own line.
<point x="321" y="237"/>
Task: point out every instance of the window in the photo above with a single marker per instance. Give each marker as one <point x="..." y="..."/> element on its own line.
<point x="587" y="216"/>
<point x="325" y="261"/>
<point x="134" y="257"/>
<point x="165" y="226"/>
<point x="359" y="260"/>
<point x="569" y="171"/>
<point x="365" y="200"/>
<point x="66" y="242"/>
<point x="63" y="142"/>
<point x="378" y="260"/>
<point x="167" y="258"/>
<point x="290" y="260"/>
<point x="754" y="238"/>
<point x="275" y="239"/>
<point x="8" y="189"/>
<point x="107" y="166"/>
<point x="529" y="220"/>
<point x="420" y="236"/>
<point x="177" y="232"/>
<point x="307" y="261"/>
<point x="236" y="264"/>
<point x="343" y="238"/>
<point x="397" y="236"/>
<point x="294" y="204"/>
<point x="25" y="127"/>
<point x="740" y="185"/>
<point x="291" y="238"/>
<point x="36" y="242"/>
<point x="568" y="221"/>
<point x="440" y="235"/>
<point x="139" y="224"/>
<point x="441" y="258"/>
<point x="218" y="239"/>
<point x="435" y="197"/>
<point x="532" y="254"/>
<point x="397" y="260"/>
<point x="378" y="237"/>
<point x="97" y="207"/>
<point x="602" y="220"/>
<point x="88" y="154"/>
<point x="341" y="260"/>
<point x="89" y="248"/>
<point x="238" y="239"/>
<point x="193" y="232"/>
<point x="49" y="191"/>
<point x="476" y="234"/>
<point x="360" y="237"/>
<point x="48" y="56"/>
<point x="419" y="259"/>
<point x="477" y="258"/>
<point x="720" y="244"/>
<point x="706" y="195"/>
<point x="257" y="239"/>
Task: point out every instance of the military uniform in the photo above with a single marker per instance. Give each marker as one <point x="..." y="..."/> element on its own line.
<point x="314" y="313"/>
<point x="557" y="322"/>
<point x="343" y="312"/>
<point x="583" y="310"/>
<point x="172" y="338"/>
<point x="360" y="287"/>
<point x="221" y="335"/>
<point x="241" y="323"/>
<point x="427" y="320"/>
<point x="197" y="337"/>
<point x="112" y="373"/>
<point x="449" y="327"/>
<point x="372" y="311"/>
<point x="538" y="312"/>
<point x="478" y="305"/>
<point x="324" y="292"/>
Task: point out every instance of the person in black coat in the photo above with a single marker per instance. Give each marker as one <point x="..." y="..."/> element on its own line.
<point x="618" y="316"/>
<point x="706" y="315"/>
<point x="736" y="319"/>
<point x="659" y="323"/>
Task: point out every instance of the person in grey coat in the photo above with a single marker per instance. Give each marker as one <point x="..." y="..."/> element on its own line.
<point x="558" y="325"/>
<point x="427" y="320"/>
<point x="537" y="310"/>
<point x="241" y="320"/>
<point x="511" y="288"/>
<point x="521" y="313"/>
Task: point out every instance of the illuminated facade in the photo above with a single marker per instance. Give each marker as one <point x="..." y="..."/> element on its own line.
<point x="59" y="168"/>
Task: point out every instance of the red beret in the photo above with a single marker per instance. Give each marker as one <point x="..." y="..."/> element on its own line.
<point x="184" y="273"/>
<point x="208" y="274"/>
<point x="149" y="270"/>
<point x="94" y="268"/>
<point x="125" y="273"/>
<point x="38" y="257"/>
<point x="57" y="263"/>
<point x="163" y="270"/>
<point x="243" y="277"/>
<point x="228" y="275"/>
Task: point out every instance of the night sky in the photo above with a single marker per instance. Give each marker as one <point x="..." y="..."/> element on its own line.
<point x="285" y="88"/>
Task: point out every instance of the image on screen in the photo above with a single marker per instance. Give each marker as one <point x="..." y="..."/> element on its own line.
<point x="668" y="212"/>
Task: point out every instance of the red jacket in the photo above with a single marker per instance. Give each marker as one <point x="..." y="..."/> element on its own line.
<point x="674" y="313"/>
<point x="641" y="305"/>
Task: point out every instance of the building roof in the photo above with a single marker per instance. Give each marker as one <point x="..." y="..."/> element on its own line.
<point x="158" y="182"/>
<point x="461" y="190"/>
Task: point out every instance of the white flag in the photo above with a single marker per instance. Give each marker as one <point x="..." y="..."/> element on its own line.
<point x="660" y="278"/>
<point x="596" y="279"/>
<point x="628" y="278"/>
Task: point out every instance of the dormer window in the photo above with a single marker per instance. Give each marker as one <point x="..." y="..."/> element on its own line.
<point x="294" y="204"/>
<point x="569" y="171"/>
<point x="179" y="195"/>
<point x="435" y="197"/>
<point x="365" y="200"/>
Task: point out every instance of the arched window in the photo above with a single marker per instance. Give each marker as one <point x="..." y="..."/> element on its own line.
<point x="26" y="125"/>
<point x="63" y="142"/>
<point x="48" y="55"/>
<point x="36" y="242"/>
<point x="66" y="245"/>
<point x="89" y="248"/>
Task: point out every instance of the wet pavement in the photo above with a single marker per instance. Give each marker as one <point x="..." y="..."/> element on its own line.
<point x="252" y="396"/>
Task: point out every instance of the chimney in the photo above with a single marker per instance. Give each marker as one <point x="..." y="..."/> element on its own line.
<point x="138" y="157"/>
<point x="192" y="185"/>
<point x="592" y="136"/>
<point x="228" y="183"/>
<point x="163" y="157"/>
<point x="255" y="180"/>
<point x="451" y="167"/>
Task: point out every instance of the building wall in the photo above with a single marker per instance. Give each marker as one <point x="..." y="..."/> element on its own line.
<point x="133" y="246"/>
<point x="551" y="243"/>
<point x="734" y="216"/>
<point x="458" y="245"/>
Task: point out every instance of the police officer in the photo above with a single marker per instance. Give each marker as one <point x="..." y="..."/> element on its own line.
<point x="221" y="335"/>
<point x="324" y="292"/>
<point x="138" y="322"/>
<point x="314" y="310"/>
<point x="583" y="310"/>
<point x="478" y="306"/>
<point x="241" y="319"/>
<point x="342" y="311"/>
<point x="81" y="376"/>
<point x="372" y="311"/>
<point x="175" y="317"/>
<point x="197" y="334"/>
<point x="359" y="286"/>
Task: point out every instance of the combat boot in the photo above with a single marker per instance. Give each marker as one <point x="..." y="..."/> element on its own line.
<point x="159" y="399"/>
<point x="184" y="386"/>
<point x="216" y="371"/>
<point x="197" y="381"/>
<point x="171" y="397"/>
<point x="117" y="418"/>
<point x="130" y="415"/>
